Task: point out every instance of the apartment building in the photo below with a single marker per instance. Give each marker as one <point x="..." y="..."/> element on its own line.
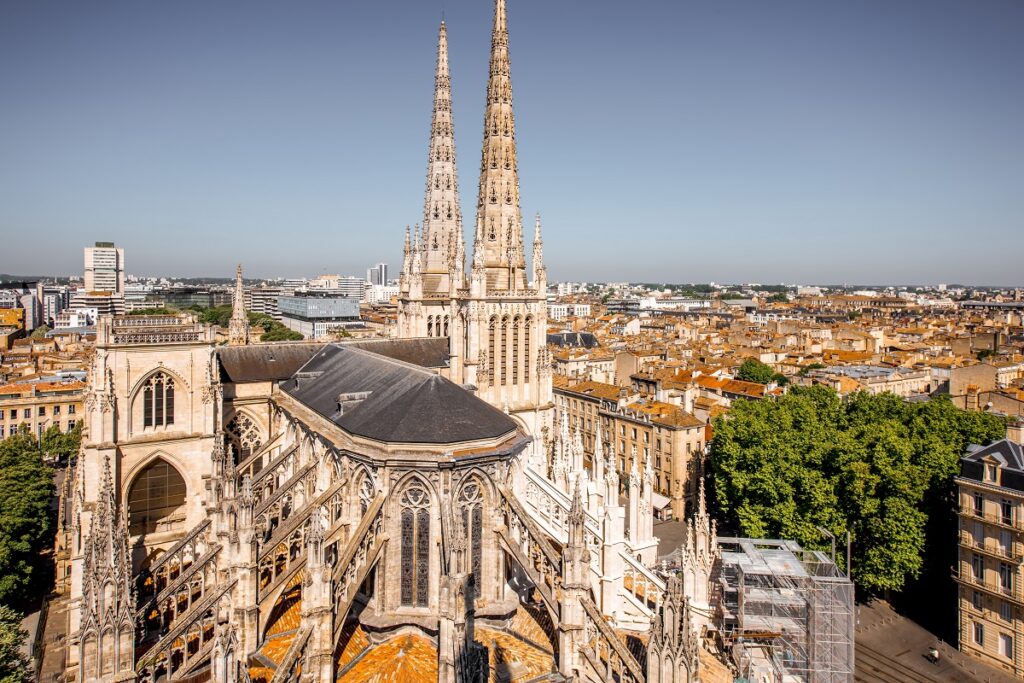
<point x="637" y="429"/>
<point x="38" y="405"/>
<point x="991" y="552"/>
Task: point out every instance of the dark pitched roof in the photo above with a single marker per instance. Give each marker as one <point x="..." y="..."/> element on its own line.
<point x="390" y="400"/>
<point x="1008" y="453"/>
<point x="428" y="352"/>
<point x="264" y="362"/>
<point x="573" y="339"/>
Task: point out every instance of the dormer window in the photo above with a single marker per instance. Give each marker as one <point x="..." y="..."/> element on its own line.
<point x="992" y="472"/>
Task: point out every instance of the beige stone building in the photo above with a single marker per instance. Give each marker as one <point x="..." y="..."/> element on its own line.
<point x="991" y="553"/>
<point x="636" y="430"/>
<point x="38" y="405"/>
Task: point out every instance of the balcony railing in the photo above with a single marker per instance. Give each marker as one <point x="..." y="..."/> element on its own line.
<point x="968" y="578"/>
<point x="1001" y="520"/>
<point x="991" y="548"/>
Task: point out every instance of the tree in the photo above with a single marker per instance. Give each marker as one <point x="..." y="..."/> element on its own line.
<point x="26" y="524"/>
<point x="755" y="371"/>
<point x="39" y="332"/>
<point x="61" y="445"/>
<point x="876" y="466"/>
<point x="778" y="298"/>
<point x="14" y="665"/>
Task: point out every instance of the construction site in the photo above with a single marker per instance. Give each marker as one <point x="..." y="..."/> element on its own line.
<point x="786" y="613"/>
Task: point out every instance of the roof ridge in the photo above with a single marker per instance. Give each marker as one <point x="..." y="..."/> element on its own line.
<point x="389" y="359"/>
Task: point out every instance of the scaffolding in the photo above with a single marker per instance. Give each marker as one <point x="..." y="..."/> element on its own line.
<point x="787" y="612"/>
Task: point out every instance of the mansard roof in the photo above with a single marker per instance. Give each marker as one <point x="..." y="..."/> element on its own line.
<point x="389" y="400"/>
<point x="264" y="362"/>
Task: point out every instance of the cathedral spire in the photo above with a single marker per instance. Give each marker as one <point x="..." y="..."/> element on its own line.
<point x="499" y="231"/>
<point x="539" y="271"/>
<point x="442" y="217"/>
<point x="238" y="327"/>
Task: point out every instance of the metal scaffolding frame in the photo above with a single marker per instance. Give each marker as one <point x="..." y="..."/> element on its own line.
<point x="788" y="612"/>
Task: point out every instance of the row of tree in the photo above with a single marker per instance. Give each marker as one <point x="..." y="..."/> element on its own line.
<point x="221" y="315"/>
<point x="876" y="466"/>
<point x="27" y="525"/>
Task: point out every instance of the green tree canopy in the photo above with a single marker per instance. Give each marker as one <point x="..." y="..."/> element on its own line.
<point x="755" y="371"/>
<point x="874" y="465"/>
<point x="14" y="665"/>
<point x="26" y="523"/>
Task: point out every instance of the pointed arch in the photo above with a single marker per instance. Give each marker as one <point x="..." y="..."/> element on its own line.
<point x="415" y="500"/>
<point x="245" y="434"/>
<point x="156" y="498"/>
<point x="158" y="399"/>
<point x="473" y="499"/>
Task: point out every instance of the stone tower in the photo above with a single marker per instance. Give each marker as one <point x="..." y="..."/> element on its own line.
<point x="496" y="321"/>
<point x="433" y="266"/>
<point x="238" y="327"/>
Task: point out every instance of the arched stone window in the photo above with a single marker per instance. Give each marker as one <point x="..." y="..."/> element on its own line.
<point x="415" y="546"/>
<point x="158" y="401"/>
<point x="504" y="350"/>
<point x="430" y="326"/>
<point x="516" y="327"/>
<point x="245" y="436"/>
<point x="470" y="505"/>
<point x="527" y="352"/>
<point x="445" y="327"/>
<point x="492" y="348"/>
<point x="156" y="499"/>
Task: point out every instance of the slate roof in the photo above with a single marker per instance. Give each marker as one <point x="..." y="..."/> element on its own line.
<point x="389" y="400"/>
<point x="428" y="352"/>
<point x="1010" y="456"/>
<point x="1008" y="453"/>
<point x="264" y="362"/>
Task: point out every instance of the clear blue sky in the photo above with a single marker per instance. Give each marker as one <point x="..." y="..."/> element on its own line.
<point x="726" y="140"/>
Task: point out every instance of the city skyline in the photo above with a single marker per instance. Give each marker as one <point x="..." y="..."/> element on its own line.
<point x="802" y="156"/>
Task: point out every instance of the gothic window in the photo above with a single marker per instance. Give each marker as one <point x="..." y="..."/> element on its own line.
<point x="430" y="326"/>
<point x="492" y="347"/>
<point x="490" y="233"/>
<point x="526" y="348"/>
<point x="158" y="401"/>
<point x="415" y="546"/>
<point x="471" y="509"/>
<point x="516" y="327"/>
<point x="437" y="214"/>
<point x="156" y="500"/>
<point x="445" y="327"/>
<point x="504" y="350"/>
<point x="245" y="436"/>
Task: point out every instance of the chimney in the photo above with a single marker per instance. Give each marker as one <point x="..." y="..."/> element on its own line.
<point x="1015" y="431"/>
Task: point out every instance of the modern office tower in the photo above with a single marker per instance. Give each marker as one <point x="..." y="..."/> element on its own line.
<point x="104" y="268"/>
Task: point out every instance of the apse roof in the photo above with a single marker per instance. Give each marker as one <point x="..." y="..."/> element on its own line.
<point x="385" y="399"/>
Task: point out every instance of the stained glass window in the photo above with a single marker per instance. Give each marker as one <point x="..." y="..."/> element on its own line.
<point x="415" y="545"/>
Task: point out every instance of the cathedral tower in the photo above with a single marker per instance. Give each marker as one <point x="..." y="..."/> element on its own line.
<point x="495" y="320"/>
<point x="433" y="268"/>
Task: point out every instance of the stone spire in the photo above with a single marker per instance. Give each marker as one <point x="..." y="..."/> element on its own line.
<point x="238" y="327"/>
<point x="107" y="598"/>
<point x="442" y="218"/>
<point x="498" y="243"/>
<point x="540" y="273"/>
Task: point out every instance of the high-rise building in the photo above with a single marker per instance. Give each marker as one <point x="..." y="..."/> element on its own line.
<point x="104" y="268"/>
<point x="377" y="274"/>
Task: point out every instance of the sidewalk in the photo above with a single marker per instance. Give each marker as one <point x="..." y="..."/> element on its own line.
<point x="892" y="648"/>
